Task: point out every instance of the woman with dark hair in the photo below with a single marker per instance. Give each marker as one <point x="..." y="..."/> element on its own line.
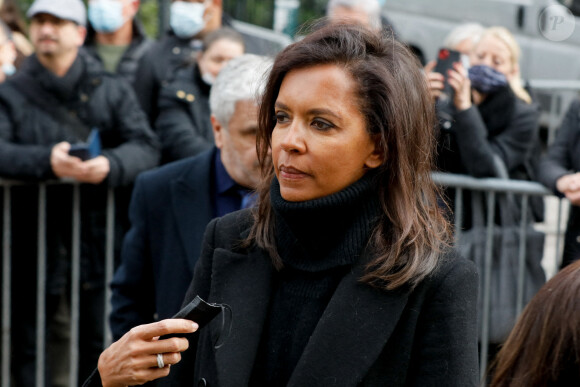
<point x="343" y="273"/>
<point x="543" y="349"/>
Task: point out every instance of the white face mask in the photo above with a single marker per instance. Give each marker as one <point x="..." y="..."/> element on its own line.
<point x="106" y="15"/>
<point x="208" y="78"/>
<point x="186" y="19"/>
<point x="8" y="69"/>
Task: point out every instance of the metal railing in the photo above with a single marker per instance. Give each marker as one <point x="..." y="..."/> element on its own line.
<point x="41" y="267"/>
<point x="554" y="96"/>
<point x="559" y="94"/>
<point x="492" y="187"/>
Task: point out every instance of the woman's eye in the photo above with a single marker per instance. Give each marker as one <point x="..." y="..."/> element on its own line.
<point x="281" y="118"/>
<point x="322" y="125"/>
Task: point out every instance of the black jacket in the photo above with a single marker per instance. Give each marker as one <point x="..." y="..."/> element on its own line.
<point x="127" y="67"/>
<point x="100" y="100"/>
<point x="170" y="52"/>
<point x="27" y="135"/>
<point x="365" y="337"/>
<point x="502" y="125"/>
<point x="562" y="158"/>
<point x="183" y="125"/>
<point x="170" y="209"/>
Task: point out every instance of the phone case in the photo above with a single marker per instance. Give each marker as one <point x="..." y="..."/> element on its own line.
<point x="88" y="150"/>
<point x="445" y="107"/>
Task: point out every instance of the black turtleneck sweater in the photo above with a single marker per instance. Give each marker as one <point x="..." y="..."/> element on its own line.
<point x="319" y="241"/>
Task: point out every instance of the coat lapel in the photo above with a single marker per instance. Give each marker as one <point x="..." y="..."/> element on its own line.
<point x="191" y="206"/>
<point x="244" y="283"/>
<point x="351" y="333"/>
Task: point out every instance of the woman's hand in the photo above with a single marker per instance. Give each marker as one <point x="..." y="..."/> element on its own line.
<point x="132" y="360"/>
<point x="569" y="185"/>
<point x="459" y="81"/>
<point x="435" y="80"/>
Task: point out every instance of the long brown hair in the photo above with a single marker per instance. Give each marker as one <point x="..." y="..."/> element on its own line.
<point x="543" y="348"/>
<point x="394" y="99"/>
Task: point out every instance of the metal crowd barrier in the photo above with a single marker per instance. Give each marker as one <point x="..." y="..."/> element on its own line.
<point x="7" y="299"/>
<point x="491" y="186"/>
<point x="554" y="97"/>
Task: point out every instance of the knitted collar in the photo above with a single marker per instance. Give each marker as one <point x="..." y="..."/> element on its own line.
<point x="327" y="232"/>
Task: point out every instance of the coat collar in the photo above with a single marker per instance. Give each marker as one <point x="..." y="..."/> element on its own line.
<point x="191" y="187"/>
<point x="358" y="319"/>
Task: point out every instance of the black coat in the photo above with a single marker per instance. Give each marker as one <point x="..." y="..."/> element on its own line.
<point x="183" y="125"/>
<point x="100" y="100"/>
<point x="127" y="66"/>
<point x="27" y="136"/>
<point x="28" y="132"/>
<point x="502" y="125"/>
<point x="365" y="337"/>
<point x="170" y="209"/>
<point x="562" y="158"/>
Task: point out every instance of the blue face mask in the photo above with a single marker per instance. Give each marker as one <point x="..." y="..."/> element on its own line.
<point x="106" y="15"/>
<point x="8" y="69"/>
<point x="486" y="80"/>
<point x="186" y="19"/>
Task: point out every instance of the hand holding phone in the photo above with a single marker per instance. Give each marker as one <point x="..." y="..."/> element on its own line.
<point x="197" y="311"/>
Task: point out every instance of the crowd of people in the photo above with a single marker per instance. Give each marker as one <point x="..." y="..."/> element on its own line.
<point x="290" y="185"/>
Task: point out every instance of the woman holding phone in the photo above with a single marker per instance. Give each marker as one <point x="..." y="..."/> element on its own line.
<point x="494" y="116"/>
<point x="342" y="274"/>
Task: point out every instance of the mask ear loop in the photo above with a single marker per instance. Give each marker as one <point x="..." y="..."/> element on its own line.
<point x="226" y="326"/>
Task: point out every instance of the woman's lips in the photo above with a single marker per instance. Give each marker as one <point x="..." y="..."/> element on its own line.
<point x="291" y="173"/>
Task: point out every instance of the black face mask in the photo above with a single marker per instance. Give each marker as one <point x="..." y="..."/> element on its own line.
<point x="486" y="80"/>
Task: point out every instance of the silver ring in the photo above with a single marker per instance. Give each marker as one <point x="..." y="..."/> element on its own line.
<point x="160" y="362"/>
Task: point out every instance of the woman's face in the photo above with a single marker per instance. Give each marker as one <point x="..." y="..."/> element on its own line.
<point x="320" y="144"/>
<point x="218" y="55"/>
<point x="494" y="53"/>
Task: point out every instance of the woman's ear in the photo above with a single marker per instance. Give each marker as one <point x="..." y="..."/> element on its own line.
<point x="376" y="158"/>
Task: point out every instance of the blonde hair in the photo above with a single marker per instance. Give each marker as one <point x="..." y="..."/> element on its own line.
<point x="505" y="36"/>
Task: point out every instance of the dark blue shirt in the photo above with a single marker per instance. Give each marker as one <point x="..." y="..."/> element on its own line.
<point x="227" y="194"/>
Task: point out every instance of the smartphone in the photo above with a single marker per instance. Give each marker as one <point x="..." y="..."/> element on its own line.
<point x="198" y="311"/>
<point x="445" y="60"/>
<point x="88" y="150"/>
<point x="445" y="107"/>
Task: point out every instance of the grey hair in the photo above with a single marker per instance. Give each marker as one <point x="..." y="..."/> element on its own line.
<point x="472" y="31"/>
<point x="243" y="78"/>
<point x="371" y="7"/>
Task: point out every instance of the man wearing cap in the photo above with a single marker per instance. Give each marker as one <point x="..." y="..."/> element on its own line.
<point x="115" y="37"/>
<point x="190" y="21"/>
<point x="58" y="97"/>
